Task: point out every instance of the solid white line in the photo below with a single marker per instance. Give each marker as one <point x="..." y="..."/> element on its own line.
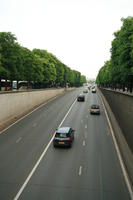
<point x="41" y="157"/>
<point x="68" y="112"/>
<point x="84" y="143"/>
<point x="118" y="153"/>
<point x="80" y="170"/>
<point x="18" y="140"/>
<point x="85" y="126"/>
<point x="27" y="114"/>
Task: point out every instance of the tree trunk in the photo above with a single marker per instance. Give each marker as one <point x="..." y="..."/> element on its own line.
<point x="123" y="87"/>
<point x="131" y="87"/>
<point x="0" y="84"/>
<point x="11" y="84"/>
<point x="6" y="85"/>
<point x="17" y="85"/>
<point x="28" y="85"/>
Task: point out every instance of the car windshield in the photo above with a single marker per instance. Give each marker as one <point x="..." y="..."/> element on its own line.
<point x="95" y="107"/>
<point x="61" y="135"/>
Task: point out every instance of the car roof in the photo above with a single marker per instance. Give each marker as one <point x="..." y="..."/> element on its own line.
<point x="94" y="106"/>
<point x="63" y="130"/>
<point x="81" y="95"/>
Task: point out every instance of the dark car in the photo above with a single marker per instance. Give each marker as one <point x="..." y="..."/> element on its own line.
<point x="64" y="136"/>
<point x="93" y="90"/>
<point x="81" y="97"/>
<point x="95" y="109"/>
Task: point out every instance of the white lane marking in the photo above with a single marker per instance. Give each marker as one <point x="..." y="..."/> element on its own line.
<point x="118" y="153"/>
<point x="85" y="126"/>
<point x="41" y="157"/>
<point x="68" y="112"/>
<point x="27" y="115"/>
<point x="34" y="125"/>
<point x="80" y="170"/>
<point x="18" y="140"/>
<point x="84" y="143"/>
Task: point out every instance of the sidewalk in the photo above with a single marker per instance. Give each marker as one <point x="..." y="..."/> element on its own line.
<point x="120" y="91"/>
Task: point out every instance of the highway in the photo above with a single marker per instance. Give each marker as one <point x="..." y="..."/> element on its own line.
<point x="89" y="170"/>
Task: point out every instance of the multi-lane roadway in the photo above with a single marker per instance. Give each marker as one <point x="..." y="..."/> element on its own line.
<point x="32" y="169"/>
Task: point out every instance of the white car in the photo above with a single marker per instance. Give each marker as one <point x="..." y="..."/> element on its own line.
<point x="95" y="109"/>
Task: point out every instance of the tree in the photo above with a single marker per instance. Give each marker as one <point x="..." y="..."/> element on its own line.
<point x="120" y="67"/>
<point x="49" y="70"/>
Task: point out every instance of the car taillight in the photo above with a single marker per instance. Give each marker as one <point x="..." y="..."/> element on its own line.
<point x="54" y="138"/>
<point x="69" y="139"/>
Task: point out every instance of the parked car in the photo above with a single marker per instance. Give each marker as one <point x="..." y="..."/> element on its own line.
<point x="64" y="136"/>
<point x="81" y="97"/>
<point x="95" y="109"/>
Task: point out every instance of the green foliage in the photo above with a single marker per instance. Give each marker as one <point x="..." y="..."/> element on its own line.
<point x="120" y="66"/>
<point x="83" y="79"/>
<point x="38" y="66"/>
<point x="8" y="54"/>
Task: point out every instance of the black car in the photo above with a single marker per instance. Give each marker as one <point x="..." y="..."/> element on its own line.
<point x="64" y="136"/>
<point x="95" y="109"/>
<point x="81" y="97"/>
<point x="93" y="90"/>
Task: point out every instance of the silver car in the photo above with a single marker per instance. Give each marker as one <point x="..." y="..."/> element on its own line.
<point x="95" y="109"/>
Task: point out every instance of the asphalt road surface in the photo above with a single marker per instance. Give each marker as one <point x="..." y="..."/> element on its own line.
<point x="89" y="170"/>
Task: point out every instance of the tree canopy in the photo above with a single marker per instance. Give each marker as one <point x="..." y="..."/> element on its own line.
<point x="38" y="66"/>
<point x="119" y="69"/>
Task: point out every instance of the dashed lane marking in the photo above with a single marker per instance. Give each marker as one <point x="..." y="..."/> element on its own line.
<point x="34" y="125"/>
<point x="84" y="143"/>
<point x="18" y="140"/>
<point x="80" y="170"/>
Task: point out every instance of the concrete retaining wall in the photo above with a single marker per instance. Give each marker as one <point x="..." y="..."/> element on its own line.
<point x="122" y="107"/>
<point x="120" y="111"/>
<point x="14" y="105"/>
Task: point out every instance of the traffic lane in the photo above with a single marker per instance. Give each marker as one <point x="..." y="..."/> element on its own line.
<point x="99" y="157"/>
<point x="102" y="159"/>
<point x="111" y="175"/>
<point x="58" y="165"/>
<point x="17" y="159"/>
<point x="28" y="129"/>
<point x="81" y="172"/>
<point x="36" y="117"/>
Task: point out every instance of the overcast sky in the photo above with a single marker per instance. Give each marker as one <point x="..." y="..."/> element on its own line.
<point x="78" y="32"/>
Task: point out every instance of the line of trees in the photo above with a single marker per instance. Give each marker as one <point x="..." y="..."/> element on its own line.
<point x="38" y="68"/>
<point x="118" y="71"/>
